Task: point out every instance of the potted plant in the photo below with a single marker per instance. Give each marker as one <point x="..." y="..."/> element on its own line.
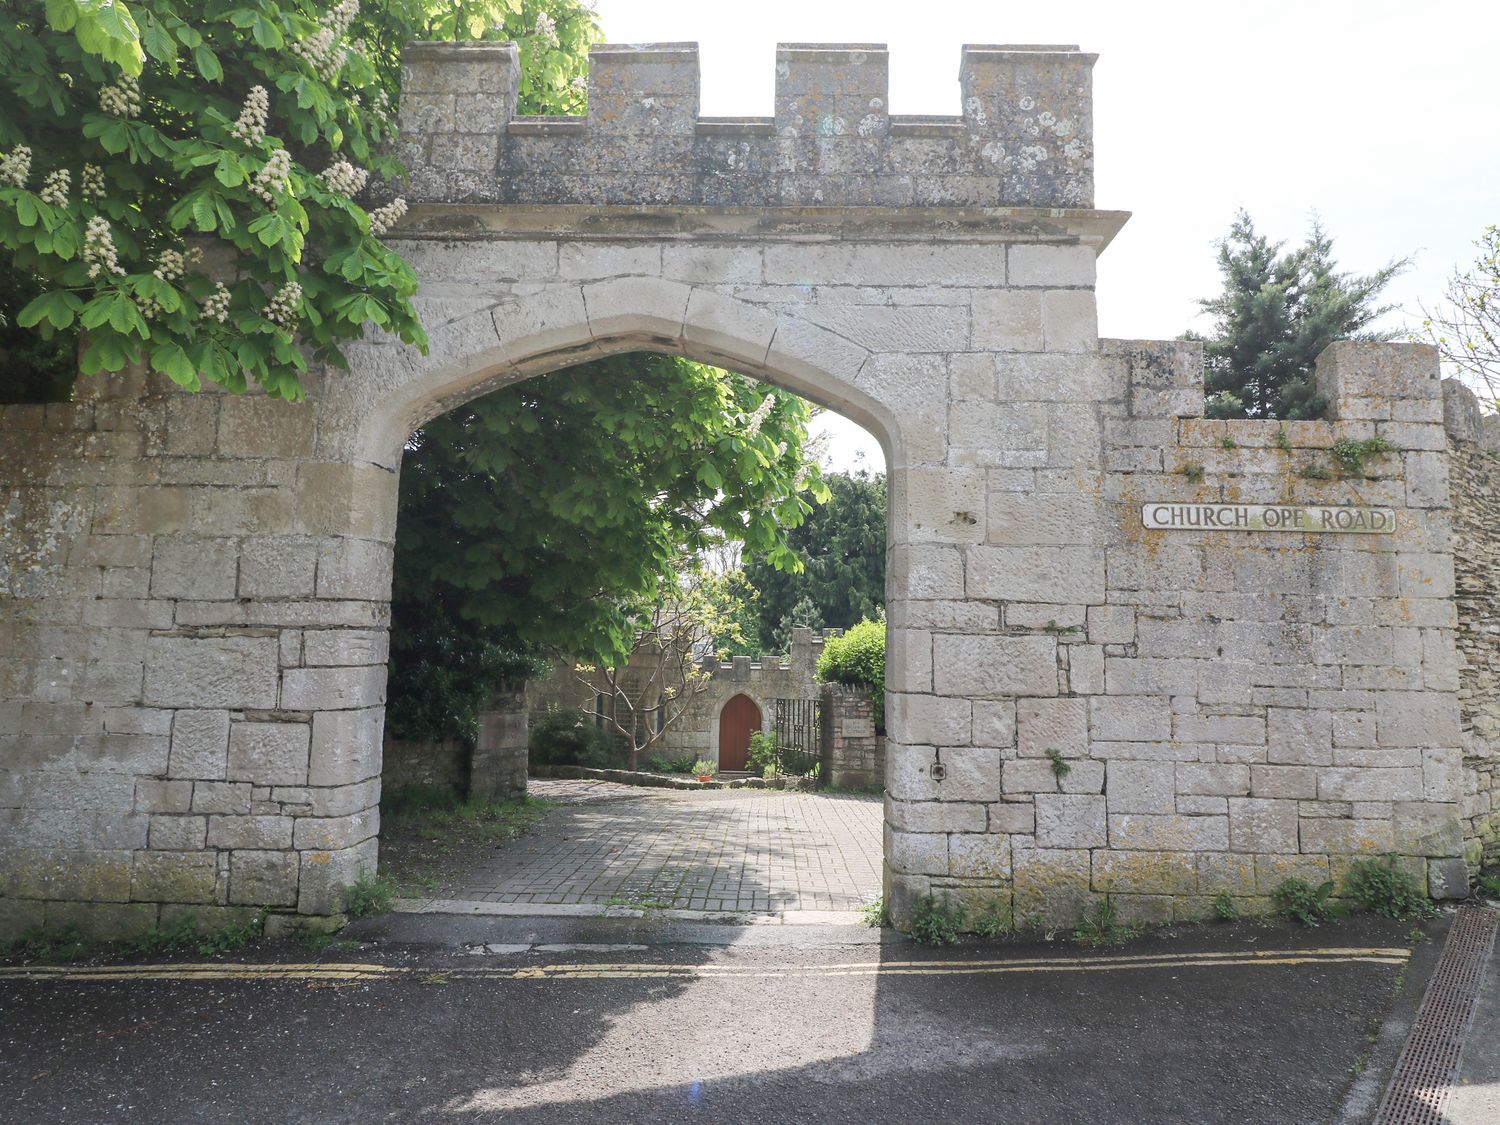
<point x="703" y="769"/>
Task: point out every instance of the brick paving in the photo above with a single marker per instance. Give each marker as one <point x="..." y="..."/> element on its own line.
<point x="736" y="849"/>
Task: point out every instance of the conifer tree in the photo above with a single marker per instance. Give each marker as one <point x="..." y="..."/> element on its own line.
<point x="1277" y="311"/>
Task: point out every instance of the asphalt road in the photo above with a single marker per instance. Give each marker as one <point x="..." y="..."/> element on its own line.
<point x="1250" y="1023"/>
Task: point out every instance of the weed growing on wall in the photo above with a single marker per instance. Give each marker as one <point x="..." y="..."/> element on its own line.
<point x="934" y="922"/>
<point x="371" y="894"/>
<point x="1299" y="899"/>
<point x="1103" y="926"/>
<point x="1225" y="908"/>
<point x="1386" y="888"/>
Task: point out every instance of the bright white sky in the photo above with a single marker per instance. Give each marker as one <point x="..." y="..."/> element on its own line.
<point x="1381" y="117"/>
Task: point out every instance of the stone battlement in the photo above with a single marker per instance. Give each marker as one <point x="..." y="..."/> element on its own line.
<point x="1024" y="137"/>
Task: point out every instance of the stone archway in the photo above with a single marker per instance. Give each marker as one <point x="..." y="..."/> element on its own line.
<point x="195" y="587"/>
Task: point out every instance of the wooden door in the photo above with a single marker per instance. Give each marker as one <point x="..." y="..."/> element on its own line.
<point x="739" y="719"/>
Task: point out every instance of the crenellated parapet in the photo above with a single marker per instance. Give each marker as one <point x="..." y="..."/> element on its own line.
<point x="1024" y="137"/>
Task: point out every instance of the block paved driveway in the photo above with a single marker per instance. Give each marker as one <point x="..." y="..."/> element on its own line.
<point x="724" y="849"/>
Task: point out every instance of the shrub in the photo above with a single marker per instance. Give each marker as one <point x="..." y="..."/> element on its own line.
<point x="563" y="737"/>
<point x="703" y="768"/>
<point x="858" y="657"/>
<point x="933" y="922"/>
<point x="764" y="757"/>
<point x="1299" y="899"/>
<point x="1380" y="885"/>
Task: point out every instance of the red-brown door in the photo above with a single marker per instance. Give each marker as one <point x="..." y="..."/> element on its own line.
<point x="739" y="718"/>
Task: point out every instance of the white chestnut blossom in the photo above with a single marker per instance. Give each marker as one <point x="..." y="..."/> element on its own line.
<point x="325" y="50"/>
<point x="15" y="167"/>
<point x="122" y="99"/>
<point x="546" y="27"/>
<point x="91" y="183"/>
<point x="344" y="178"/>
<point x="250" y="126"/>
<point x="99" y="249"/>
<point x="216" y="304"/>
<point x="384" y="218"/>
<point x="174" y="263"/>
<point x="273" y="177"/>
<point x="757" y="419"/>
<point x="55" y="188"/>
<point x="285" y="308"/>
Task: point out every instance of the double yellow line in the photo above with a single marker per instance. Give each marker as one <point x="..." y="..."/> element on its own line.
<point x="354" y="972"/>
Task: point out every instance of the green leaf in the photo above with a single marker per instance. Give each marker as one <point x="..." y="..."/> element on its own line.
<point x="207" y="63"/>
<point x="158" y="43"/>
<point x="229" y="171"/>
<point x="267" y="34"/>
<point x="172" y="361"/>
<point x="270" y="229"/>
<point x="57" y="308"/>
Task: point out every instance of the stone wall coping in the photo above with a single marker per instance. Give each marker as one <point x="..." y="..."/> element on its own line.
<point x="493" y="222"/>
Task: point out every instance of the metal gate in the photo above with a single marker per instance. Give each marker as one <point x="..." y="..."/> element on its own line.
<point x="798" y="736"/>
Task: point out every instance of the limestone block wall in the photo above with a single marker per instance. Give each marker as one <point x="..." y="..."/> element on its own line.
<point x="1474" y="446"/>
<point x="1235" y="707"/>
<point x="192" y="680"/>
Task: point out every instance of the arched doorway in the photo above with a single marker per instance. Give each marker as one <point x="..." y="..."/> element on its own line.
<point x="737" y="722"/>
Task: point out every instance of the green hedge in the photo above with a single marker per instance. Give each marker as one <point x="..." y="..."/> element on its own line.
<point x="858" y="657"/>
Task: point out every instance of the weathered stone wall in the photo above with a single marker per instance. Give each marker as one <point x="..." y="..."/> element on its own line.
<point x="853" y="754"/>
<point x="1474" y="444"/>
<point x="433" y="765"/>
<point x="192" y="671"/>
<point x="498" y="765"/>
<point x="193" y="603"/>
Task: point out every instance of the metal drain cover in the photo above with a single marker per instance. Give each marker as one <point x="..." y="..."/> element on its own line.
<point x="1424" y="1072"/>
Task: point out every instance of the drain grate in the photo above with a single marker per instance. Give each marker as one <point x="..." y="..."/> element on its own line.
<point x="1426" y="1068"/>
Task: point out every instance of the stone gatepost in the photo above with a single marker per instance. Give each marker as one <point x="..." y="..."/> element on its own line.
<point x="497" y="771"/>
<point x="853" y="754"/>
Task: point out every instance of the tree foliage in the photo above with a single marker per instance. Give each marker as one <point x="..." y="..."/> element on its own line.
<point x="1276" y="312"/>
<point x="545" y="517"/>
<point x="179" y="181"/>
<point x="841" y="546"/>
<point x="139" y="168"/>
<point x="1466" y="326"/>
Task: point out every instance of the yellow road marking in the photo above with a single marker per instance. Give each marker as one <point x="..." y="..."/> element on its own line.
<point x="818" y="971"/>
<point x="1099" y="961"/>
<point x="313" y="971"/>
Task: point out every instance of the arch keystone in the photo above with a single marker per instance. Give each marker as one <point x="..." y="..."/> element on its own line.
<point x="636" y="306"/>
